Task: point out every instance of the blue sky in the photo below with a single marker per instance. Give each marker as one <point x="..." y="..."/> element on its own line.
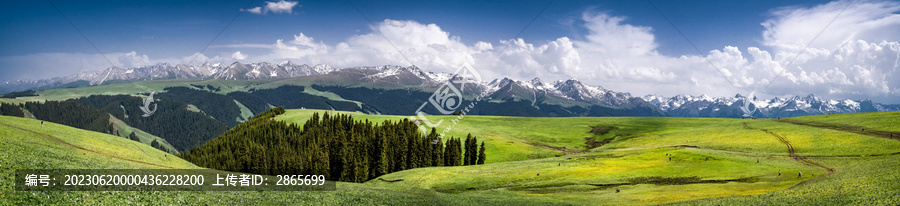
<point x="621" y="45"/>
<point x="179" y="28"/>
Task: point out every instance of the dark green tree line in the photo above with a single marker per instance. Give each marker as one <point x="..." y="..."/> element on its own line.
<point x="71" y="114"/>
<point x="11" y="110"/>
<point x="333" y="145"/>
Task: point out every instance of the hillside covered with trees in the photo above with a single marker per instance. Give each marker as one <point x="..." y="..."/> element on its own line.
<point x="332" y="145"/>
<point x="67" y="113"/>
<point x="172" y="121"/>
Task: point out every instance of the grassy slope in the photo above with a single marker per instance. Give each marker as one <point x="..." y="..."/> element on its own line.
<point x="885" y="121"/>
<point x="641" y="152"/>
<point x="245" y="112"/>
<point x="123" y="128"/>
<point x="732" y="136"/>
<point x="12" y="101"/>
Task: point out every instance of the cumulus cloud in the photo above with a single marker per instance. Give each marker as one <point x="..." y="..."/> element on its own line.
<point x="238" y="56"/>
<point x="792" y="27"/>
<point x="856" y="56"/>
<point x="557" y="59"/>
<point x="425" y="45"/>
<point x="609" y="36"/>
<point x="279" y="7"/>
<point x="132" y="59"/>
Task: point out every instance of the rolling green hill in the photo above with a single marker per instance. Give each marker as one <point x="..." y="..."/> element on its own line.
<point x="536" y="161"/>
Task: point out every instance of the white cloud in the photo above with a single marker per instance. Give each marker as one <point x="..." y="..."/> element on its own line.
<point x="238" y="56"/>
<point x="278" y="7"/>
<point x="132" y="59"/>
<point x="791" y="28"/>
<point x="610" y="37"/>
<point x="281" y="6"/>
<point x="557" y="59"/>
<point x="198" y="58"/>
<point x="254" y="10"/>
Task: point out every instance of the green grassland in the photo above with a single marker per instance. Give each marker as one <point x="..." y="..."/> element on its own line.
<point x="533" y="161"/>
<point x="877" y="124"/>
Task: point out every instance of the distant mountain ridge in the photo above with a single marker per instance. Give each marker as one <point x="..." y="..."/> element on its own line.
<point x="234" y="71"/>
<point x="558" y="98"/>
<point x="705" y="106"/>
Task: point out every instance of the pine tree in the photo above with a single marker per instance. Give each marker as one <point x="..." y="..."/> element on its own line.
<point x="447" y="153"/>
<point x="481" y="155"/>
<point x="437" y="152"/>
<point x="457" y="150"/>
<point x="381" y="155"/>
<point x="454" y="154"/>
<point x="470" y="148"/>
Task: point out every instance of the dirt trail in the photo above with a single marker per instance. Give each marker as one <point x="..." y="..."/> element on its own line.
<point x="54" y="139"/>
<point x="795" y="157"/>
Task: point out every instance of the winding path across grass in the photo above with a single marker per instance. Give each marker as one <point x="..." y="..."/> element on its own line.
<point x="795" y="156"/>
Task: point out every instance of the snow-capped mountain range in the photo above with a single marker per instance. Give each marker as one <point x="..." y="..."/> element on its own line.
<point x="572" y="90"/>
<point x="568" y="96"/>
<point x="705" y="106"/>
<point x="234" y="71"/>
